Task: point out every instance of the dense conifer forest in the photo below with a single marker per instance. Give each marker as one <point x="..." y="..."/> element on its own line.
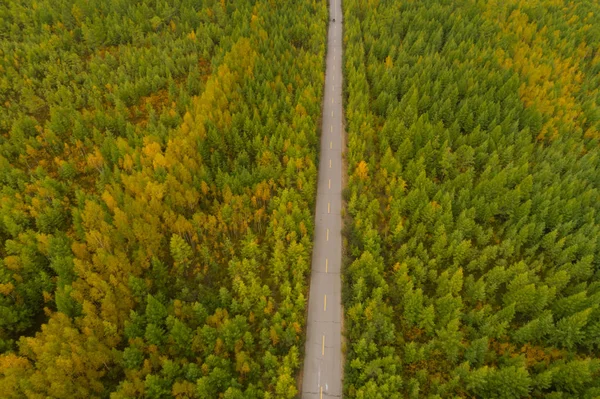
<point x="473" y="237"/>
<point x="157" y="176"/>
<point x="158" y="168"/>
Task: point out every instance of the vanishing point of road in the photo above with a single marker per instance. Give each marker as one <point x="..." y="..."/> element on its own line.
<point x="323" y="355"/>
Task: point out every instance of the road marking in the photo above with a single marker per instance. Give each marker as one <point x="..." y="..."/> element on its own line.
<point x="323" y="347"/>
<point x="321" y="393"/>
<point x="326" y="264"/>
<point x="330" y="184"/>
<point x="327" y="234"/>
<point x="332" y="100"/>
<point x="325" y="303"/>
<point x="329" y="207"/>
<point x="330" y="164"/>
<point x="330" y="144"/>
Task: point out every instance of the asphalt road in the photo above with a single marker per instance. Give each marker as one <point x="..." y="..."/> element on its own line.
<point x="323" y="368"/>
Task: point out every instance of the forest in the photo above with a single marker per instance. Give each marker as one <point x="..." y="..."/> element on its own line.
<point x="158" y="166"/>
<point x="472" y="261"/>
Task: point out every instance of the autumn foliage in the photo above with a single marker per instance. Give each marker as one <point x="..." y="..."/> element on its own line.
<point x="157" y="180"/>
<point x="473" y="260"/>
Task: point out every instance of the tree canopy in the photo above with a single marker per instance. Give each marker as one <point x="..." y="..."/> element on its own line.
<point x="473" y="234"/>
<point x="157" y="180"/>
